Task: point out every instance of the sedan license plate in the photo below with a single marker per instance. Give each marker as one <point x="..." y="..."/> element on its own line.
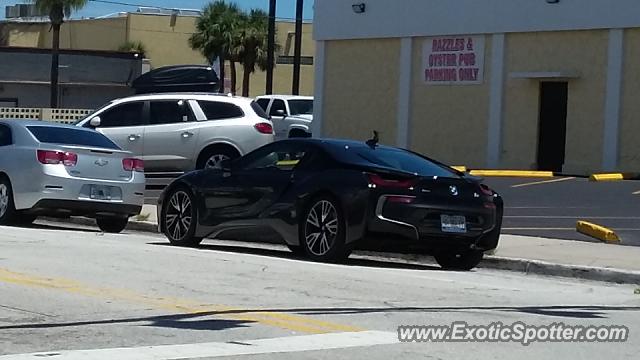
<point x="100" y="192"/>
<point x="453" y="224"/>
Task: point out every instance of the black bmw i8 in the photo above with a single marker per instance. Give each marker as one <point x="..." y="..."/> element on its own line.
<point x="323" y="196"/>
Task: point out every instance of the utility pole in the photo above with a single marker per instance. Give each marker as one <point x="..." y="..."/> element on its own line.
<point x="271" y="45"/>
<point x="297" y="52"/>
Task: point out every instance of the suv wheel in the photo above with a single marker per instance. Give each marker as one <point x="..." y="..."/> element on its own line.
<point x="212" y="158"/>
<point x="7" y="209"/>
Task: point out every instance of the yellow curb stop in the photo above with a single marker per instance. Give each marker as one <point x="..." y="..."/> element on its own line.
<point x="596" y="231"/>
<point x="611" y="176"/>
<point x="512" y="173"/>
<point x="460" y="168"/>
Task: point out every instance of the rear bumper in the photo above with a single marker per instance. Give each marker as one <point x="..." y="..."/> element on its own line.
<point x="50" y="189"/>
<point x="420" y="223"/>
<point x="52" y="207"/>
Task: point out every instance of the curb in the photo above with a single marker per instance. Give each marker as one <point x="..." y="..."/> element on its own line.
<point x="512" y="173"/>
<point x="596" y="231"/>
<point x="526" y="266"/>
<point x="132" y="225"/>
<point x="612" y="176"/>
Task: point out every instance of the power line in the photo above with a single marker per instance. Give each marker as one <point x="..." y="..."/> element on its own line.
<point x="169" y="8"/>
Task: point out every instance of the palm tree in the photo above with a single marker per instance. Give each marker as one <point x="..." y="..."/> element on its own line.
<point x="216" y="34"/>
<point x="134" y="47"/>
<point x="57" y="10"/>
<point x="252" y="48"/>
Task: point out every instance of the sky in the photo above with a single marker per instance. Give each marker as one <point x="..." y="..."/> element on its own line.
<point x="286" y="8"/>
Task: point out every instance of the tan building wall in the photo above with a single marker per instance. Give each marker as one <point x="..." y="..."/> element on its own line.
<point x="629" y="143"/>
<point x="581" y="52"/>
<point x="361" y="89"/>
<point x="449" y="123"/>
<point x="166" y="43"/>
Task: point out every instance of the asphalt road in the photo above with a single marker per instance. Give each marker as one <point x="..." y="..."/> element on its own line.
<point x="551" y="207"/>
<point x="130" y="296"/>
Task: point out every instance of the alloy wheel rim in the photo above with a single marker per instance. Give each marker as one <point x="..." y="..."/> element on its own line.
<point x="321" y="228"/>
<point x="4" y="199"/>
<point x="215" y="161"/>
<point x="178" y="217"/>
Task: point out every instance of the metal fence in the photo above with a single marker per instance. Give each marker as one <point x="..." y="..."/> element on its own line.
<point x="61" y="116"/>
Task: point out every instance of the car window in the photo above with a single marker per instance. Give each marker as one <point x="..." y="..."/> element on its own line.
<point x="278" y="156"/>
<point x="391" y="158"/>
<point x="264" y="103"/>
<point x="277" y="105"/>
<point x="70" y="136"/>
<point x="5" y="136"/>
<point x="259" y="111"/>
<point x="216" y="110"/>
<point x="301" y="107"/>
<point x="168" y="112"/>
<point x="128" y="114"/>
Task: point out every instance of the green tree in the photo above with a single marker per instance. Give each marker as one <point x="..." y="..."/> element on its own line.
<point x="57" y="10"/>
<point x="216" y="34"/>
<point x="251" y="47"/>
<point x="133" y="46"/>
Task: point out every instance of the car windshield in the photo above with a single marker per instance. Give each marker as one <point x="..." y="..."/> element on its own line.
<point x="390" y="158"/>
<point x="70" y="136"/>
<point x="301" y="107"/>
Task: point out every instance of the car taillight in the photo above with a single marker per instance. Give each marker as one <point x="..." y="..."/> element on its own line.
<point x="264" y="128"/>
<point x="400" y="199"/>
<point x="131" y="164"/>
<point x="49" y="157"/>
<point x="377" y="180"/>
<point x="486" y="190"/>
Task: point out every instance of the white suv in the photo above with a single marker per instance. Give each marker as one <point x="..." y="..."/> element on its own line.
<point x="291" y="115"/>
<point x="179" y="132"/>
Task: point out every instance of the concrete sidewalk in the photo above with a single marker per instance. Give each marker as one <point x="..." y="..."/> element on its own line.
<point x="569" y="258"/>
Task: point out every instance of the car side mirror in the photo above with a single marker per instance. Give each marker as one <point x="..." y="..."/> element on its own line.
<point x="225" y="165"/>
<point x="281" y="113"/>
<point x="95" y="121"/>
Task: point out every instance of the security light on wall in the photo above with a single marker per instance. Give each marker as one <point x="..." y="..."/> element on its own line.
<point x="359" y="8"/>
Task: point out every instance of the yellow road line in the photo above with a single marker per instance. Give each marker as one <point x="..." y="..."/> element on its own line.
<point x="543" y="182"/>
<point x="285" y="321"/>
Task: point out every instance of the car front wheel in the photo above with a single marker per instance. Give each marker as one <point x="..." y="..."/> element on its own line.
<point x="7" y="209"/>
<point x="464" y="260"/>
<point x="322" y="231"/>
<point x="113" y="225"/>
<point x="179" y="218"/>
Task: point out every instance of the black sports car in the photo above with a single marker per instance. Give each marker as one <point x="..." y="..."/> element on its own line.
<point x="322" y="196"/>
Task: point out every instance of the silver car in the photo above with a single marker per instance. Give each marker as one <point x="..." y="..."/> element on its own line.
<point x="180" y="132"/>
<point x="58" y="170"/>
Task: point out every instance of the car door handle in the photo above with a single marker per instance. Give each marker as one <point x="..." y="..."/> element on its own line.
<point x="187" y="134"/>
<point x="134" y="137"/>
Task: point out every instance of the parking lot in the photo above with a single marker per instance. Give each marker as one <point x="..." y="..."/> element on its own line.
<point x="551" y="207"/>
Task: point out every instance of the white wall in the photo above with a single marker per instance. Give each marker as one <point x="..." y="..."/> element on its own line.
<point x="334" y="19"/>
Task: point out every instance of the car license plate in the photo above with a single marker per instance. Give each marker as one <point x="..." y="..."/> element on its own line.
<point x="453" y="224"/>
<point x="100" y="192"/>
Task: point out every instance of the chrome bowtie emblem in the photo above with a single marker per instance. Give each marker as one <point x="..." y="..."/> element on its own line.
<point x="453" y="190"/>
<point x="101" y="162"/>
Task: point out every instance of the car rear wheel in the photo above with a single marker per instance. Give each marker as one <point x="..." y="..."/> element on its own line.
<point x="112" y="224"/>
<point x="322" y="231"/>
<point x="179" y="218"/>
<point x="213" y="157"/>
<point x="465" y="260"/>
<point x="7" y="209"/>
